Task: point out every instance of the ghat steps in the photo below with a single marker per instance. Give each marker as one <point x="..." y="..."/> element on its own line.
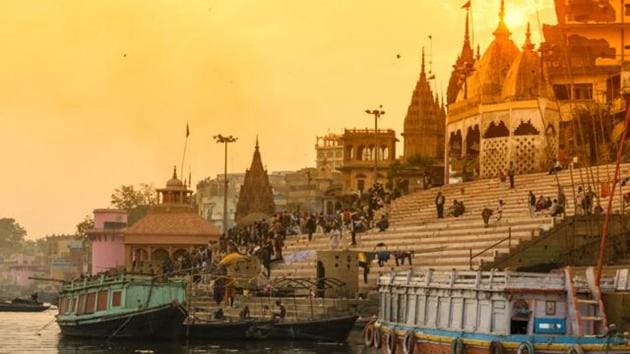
<point x="447" y="243"/>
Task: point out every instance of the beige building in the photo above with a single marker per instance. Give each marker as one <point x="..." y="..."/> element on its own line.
<point x="361" y="148"/>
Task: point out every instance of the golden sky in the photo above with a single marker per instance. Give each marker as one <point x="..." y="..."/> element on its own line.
<point x="95" y="94"/>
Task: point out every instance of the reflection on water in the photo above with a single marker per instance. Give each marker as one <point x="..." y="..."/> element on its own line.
<point x="38" y="333"/>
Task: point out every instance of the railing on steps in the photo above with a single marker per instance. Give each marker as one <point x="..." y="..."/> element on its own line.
<point x="508" y="239"/>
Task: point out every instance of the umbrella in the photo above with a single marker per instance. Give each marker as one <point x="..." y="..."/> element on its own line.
<point x="251" y="218"/>
<point x="232" y="258"/>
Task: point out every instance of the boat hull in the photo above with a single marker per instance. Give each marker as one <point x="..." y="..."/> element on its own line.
<point x="441" y="342"/>
<point x="23" y="308"/>
<point x="163" y="322"/>
<point x="228" y="330"/>
<point x="326" y="330"/>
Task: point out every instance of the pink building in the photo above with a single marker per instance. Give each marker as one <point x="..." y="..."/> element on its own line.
<point x="107" y="239"/>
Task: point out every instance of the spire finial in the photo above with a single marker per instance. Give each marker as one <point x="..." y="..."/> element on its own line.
<point x="467" y="33"/>
<point x="478" y="52"/>
<point x="174" y="172"/>
<point x="256" y="141"/>
<point x="528" y="39"/>
<point x="423" y="60"/>
<point x="502" y="30"/>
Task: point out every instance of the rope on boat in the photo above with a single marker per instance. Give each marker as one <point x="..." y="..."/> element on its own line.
<point x="39" y="331"/>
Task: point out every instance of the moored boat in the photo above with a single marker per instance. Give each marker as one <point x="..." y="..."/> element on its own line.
<point x="122" y="306"/>
<point x="224" y="330"/>
<point x="334" y="329"/>
<point x="20" y="305"/>
<point x="492" y="312"/>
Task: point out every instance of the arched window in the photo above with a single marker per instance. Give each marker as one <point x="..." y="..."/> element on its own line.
<point x="359" y="153"/>
<point x="385" y="152"/>
<point x="349" y="152"/>
<point x="455" y="143"/>
<point x="496" y="131"/>
<point x="526" y="128"/>
<point x="473" y="139"/>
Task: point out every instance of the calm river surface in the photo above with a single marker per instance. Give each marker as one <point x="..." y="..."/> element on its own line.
<point x="38" y="333"/>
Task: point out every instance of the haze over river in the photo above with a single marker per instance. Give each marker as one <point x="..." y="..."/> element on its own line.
<point x="38" y="333"/>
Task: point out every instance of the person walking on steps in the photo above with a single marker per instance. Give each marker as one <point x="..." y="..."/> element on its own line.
<point x="511" y="172"/>
<point x="439" y="205"/>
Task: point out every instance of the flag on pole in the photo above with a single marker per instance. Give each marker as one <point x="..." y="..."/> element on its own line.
<point x="187" y="130"/>
<point x="466" y="5"/>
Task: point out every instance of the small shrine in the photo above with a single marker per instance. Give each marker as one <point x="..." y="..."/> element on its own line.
<point x="171" y="230"/>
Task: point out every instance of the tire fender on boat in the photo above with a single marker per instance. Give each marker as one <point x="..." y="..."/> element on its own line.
<point x="525" y="347"/>
<point x="390" y="342"/>
<point x="496" y="347"/>
<point x="368" y="335"/>
<point x="377" y="338"/>
<point x="409" y="342"/>
<point x="575" y="349"/>
<point x="457" y="346"/>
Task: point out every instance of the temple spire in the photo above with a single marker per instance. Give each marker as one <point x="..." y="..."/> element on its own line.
<point x="467" y="33"/>
<point x="528" y="39"/>
<point x="502" y="30"/>
<point x="256" y="141"/>
<point x="422" y="72"/>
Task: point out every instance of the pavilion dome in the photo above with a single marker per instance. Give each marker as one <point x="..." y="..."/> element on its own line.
<point x="174" y="181"/>
<point x="524" y="79"/>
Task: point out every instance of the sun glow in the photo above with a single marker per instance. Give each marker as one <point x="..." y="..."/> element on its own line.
<point x="515" y="18"/>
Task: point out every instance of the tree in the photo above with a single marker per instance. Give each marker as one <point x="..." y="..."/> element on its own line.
<point x="135" y="201"/>
<point x="127" y="197"/>
<point x="11" y="236"/>
<point x="83" y="227"/>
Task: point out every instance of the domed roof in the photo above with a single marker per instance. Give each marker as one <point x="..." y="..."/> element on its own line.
<point x="174" y="181"/>
<point x="524" y="80"/>
<point x="486" y="83"/>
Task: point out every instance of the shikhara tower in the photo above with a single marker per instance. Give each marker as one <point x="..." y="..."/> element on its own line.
<point x="256" y="193"/>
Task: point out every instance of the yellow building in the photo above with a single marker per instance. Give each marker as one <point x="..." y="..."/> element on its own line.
<point x="363" y="150"/>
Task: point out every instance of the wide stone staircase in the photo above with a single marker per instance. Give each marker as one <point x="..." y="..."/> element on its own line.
<point x="463" y="242"/>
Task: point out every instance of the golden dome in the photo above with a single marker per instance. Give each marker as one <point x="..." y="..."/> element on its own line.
<point x="486" y="83"/>
<point x="524" y="80"/>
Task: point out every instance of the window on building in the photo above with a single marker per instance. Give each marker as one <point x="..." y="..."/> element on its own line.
<point x="613" y="88"/>
<point x="627" y="7"/>
<point x="583" y="91"/>
<point x="562" y="92"/>
<point x="81" y="305"/>
<point x="73" y="303"/>
<point x="90" y="301"/>
<point x="101" y="304"/>
<point x="116" y="298"/>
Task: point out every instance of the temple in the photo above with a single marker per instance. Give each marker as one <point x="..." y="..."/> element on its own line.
<point x="171" y="229"/>
<point x="424" y="123"/>
<point x="256" y="194"/>
<point x="504" y="112"/>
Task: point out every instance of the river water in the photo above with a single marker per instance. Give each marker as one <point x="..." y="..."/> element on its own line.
<point x="38" y="333"/>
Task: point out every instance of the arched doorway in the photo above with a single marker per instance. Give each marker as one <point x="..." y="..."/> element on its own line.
<point x="159" y="255"/>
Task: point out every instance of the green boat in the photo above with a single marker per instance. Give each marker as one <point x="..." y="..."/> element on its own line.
<point x="122" y="306"/>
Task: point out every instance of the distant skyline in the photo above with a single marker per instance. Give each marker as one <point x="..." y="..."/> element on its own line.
<point x="98" y="94"/>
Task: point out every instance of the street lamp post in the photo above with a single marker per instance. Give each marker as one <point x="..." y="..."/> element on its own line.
<point x="225" y="140"/>
<point x="377" y="113"/>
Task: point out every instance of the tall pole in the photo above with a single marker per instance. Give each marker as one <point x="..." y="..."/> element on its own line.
<point x="377" y="113"/>
<point x="225" y="140"/>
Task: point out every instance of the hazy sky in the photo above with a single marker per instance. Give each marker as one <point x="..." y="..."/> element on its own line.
<point x="95" y="94"/>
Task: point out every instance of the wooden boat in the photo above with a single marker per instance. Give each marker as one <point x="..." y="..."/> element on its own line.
<point x="122" y="306"/>
<point x="20" y="305"/>
<point x="335" y="329"/>
<point x="493" y="312"/>
<point x="224" y="330"/>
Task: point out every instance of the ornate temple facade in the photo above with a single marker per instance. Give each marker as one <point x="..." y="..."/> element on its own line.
<point x="504" y="111"/>
<point x="361" y="148"/>
<point x="256" y="195"/>
<point x="424" y="123"/>
<point x="171" y="229"/>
